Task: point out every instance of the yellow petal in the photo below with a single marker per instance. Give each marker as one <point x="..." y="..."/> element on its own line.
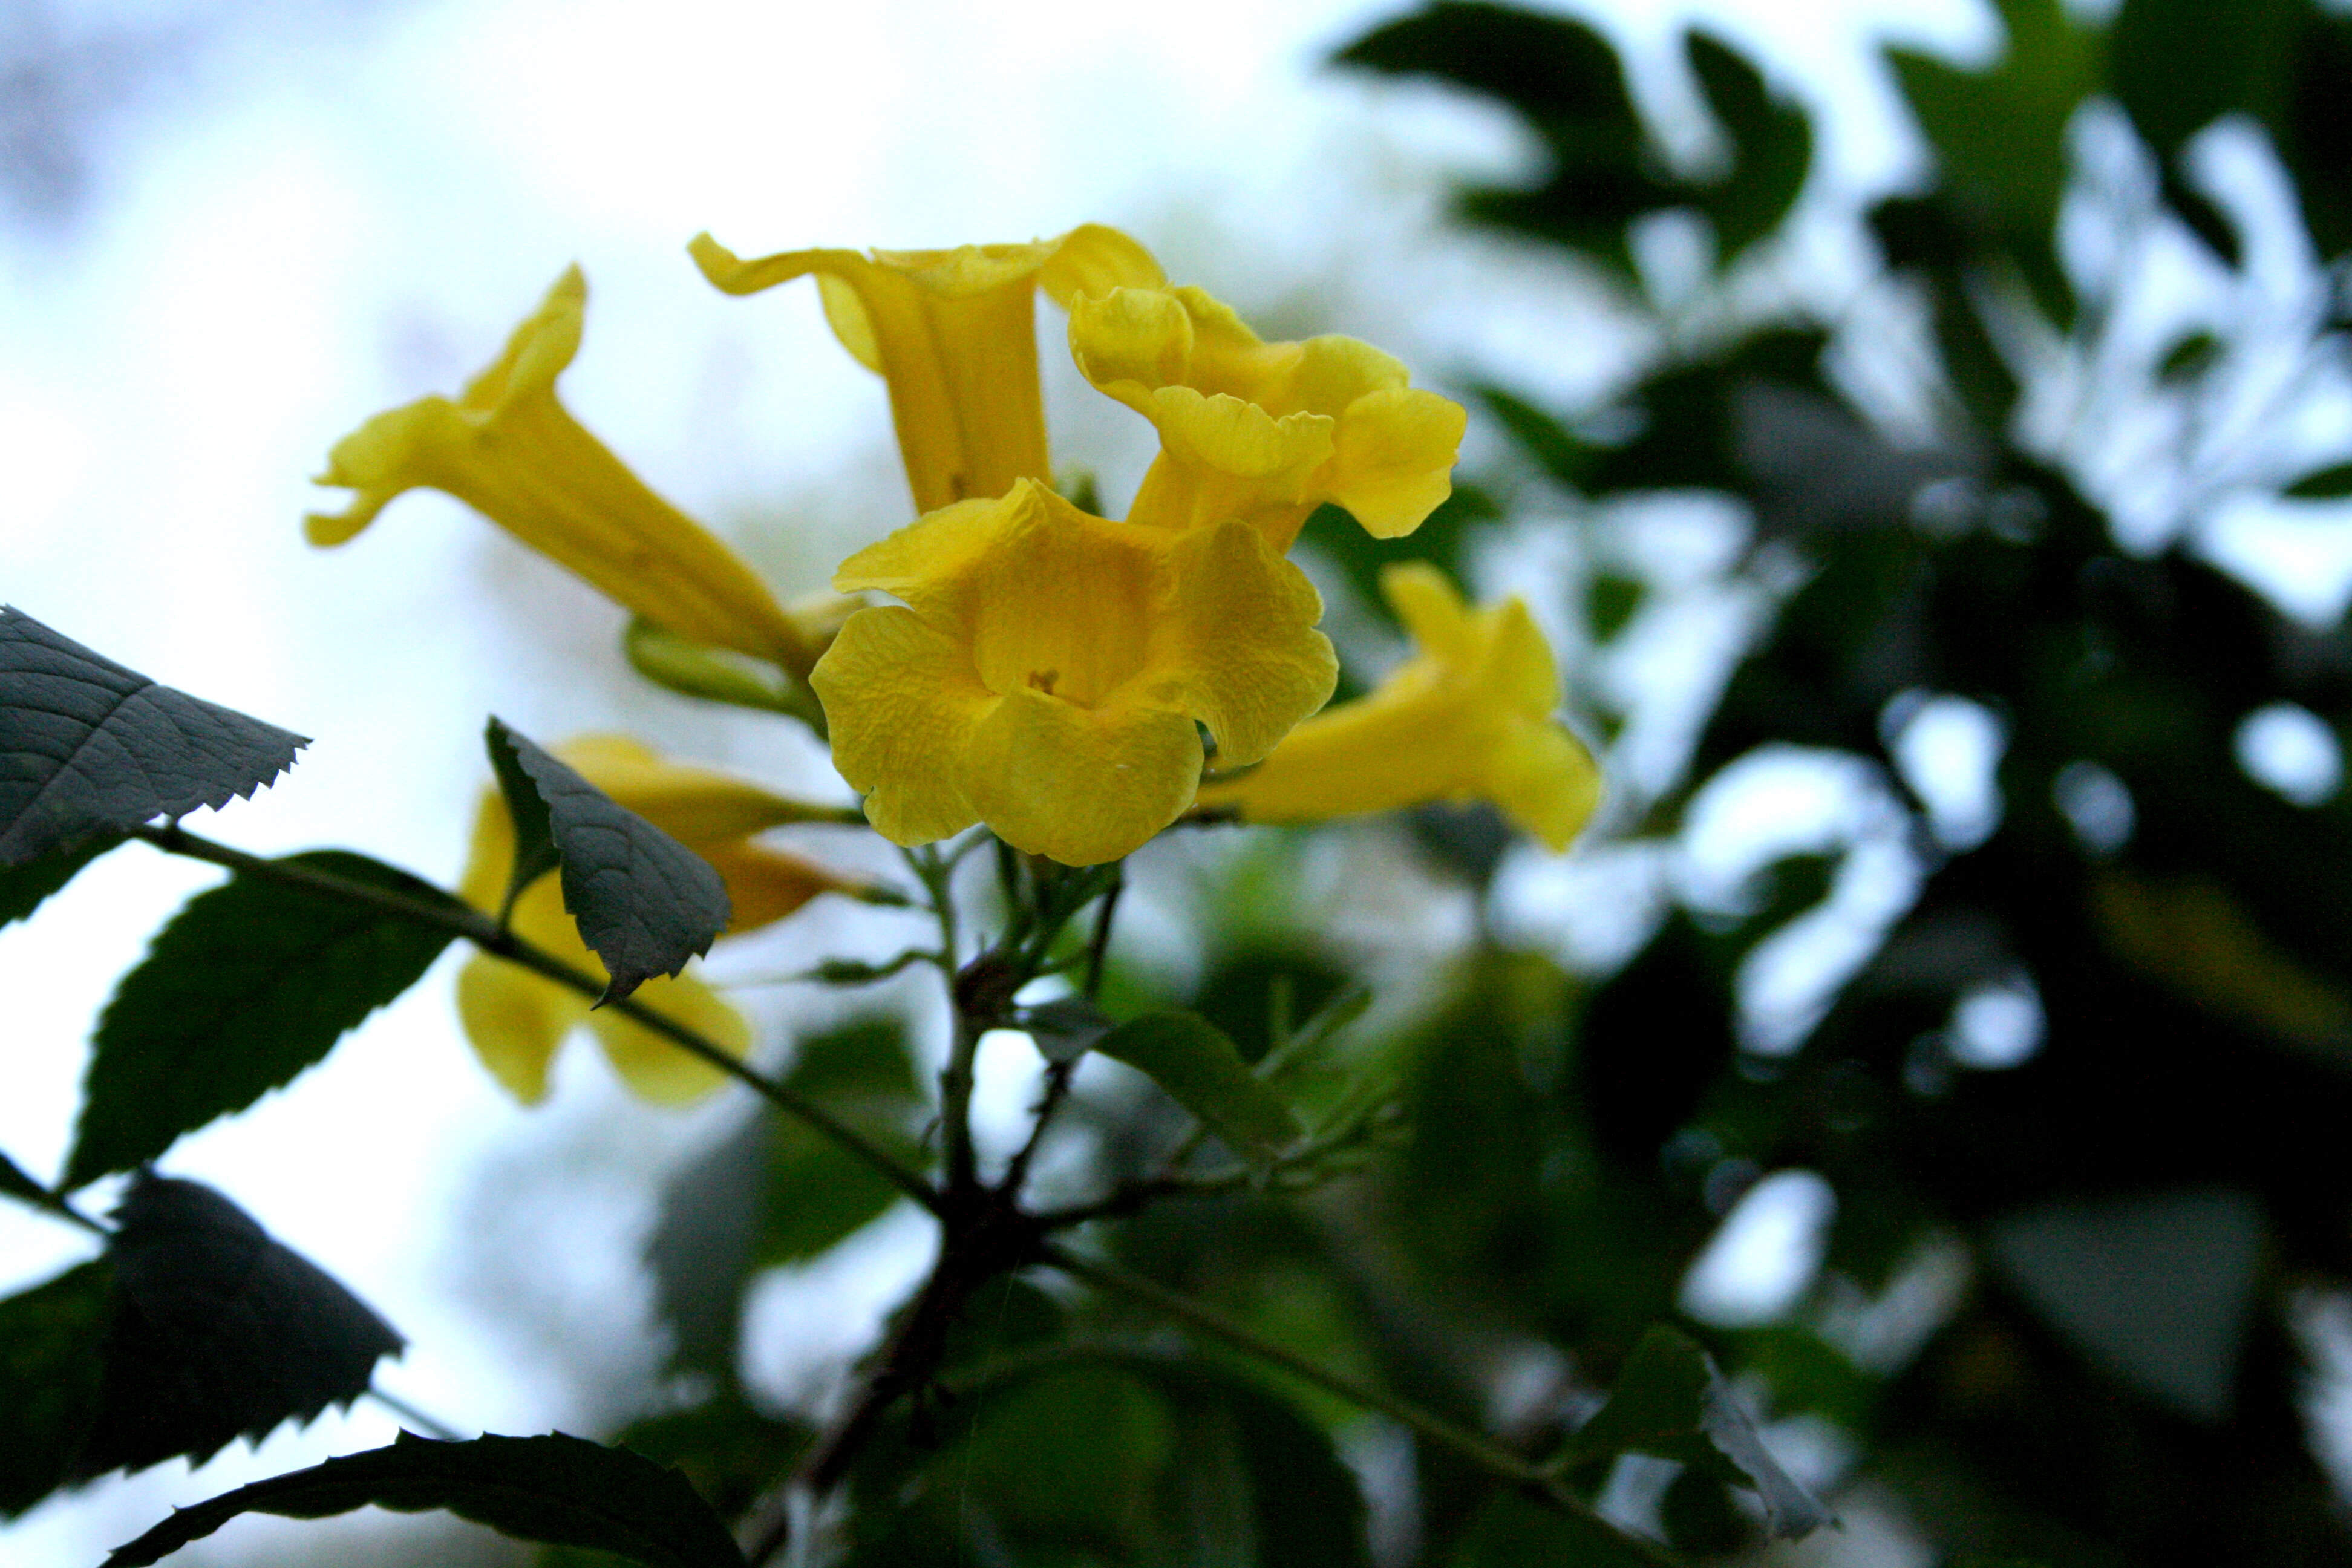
<point x="764" y="885"/>
<point x="1079" y="785"/>
<point x="516" y="1019"/>
<point x="653" y="1067"/>
<point x="1468" y="717"/>
<point x="1239" y="645"/>
<point x="953" y="332"/>
<point x="901" y="700"/>
<point x="511" y="451"/>
<point x="1388" y="450"/>
<point x="1393" y="460"/>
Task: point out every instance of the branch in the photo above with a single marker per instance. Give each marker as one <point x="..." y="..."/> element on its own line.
<point x="484" y="933"/>
<point x="1492" y="1457"/>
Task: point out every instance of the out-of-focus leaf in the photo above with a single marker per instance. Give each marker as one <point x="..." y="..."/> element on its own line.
<point x="17" y="1183"/>
<point x="1927" y="236"/>
<point x="1114" y="1458"/>
<point x="2189" y="358"/>
<point x="1773" y="143"/>
<point x="2327" y="484"/>
<point x="729" y="1452"/>
<point x="1199" y="1067"/>
<point x="2176" y="71"/>
<point x="87" y="746"/>
<point x="1064" y="1028"/>
<point x="2155" y="1288"/>
<point x="1670" y="1402"/>
<point x="1511" y="1530"/>
<point x="24" y="888"/>
<point x="247" y="986"/>
<point x="2000" y="134"/>
<point x="48" y="1382"/>
<point x="776" y="1191"/>
<point x="215" y="1331"/>
<point x="645" y="902"/>
<point x="1567" y="82"/>
<point x="553" y="1488"/>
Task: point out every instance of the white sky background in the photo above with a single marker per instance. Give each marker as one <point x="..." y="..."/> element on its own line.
<point x="311" y="223"/>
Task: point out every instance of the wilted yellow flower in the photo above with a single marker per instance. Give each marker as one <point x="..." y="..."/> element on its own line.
<point x="513" y="453"/>
<point x="1264" y="432"/>
<point x="1048" y="669"/>
<point x="1468" y="717"/>
<point x="517" y="1019"/>
<point x="954" y="334"/>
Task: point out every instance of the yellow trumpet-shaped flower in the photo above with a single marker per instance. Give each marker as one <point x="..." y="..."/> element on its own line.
<point x="1046" y="669"/>
<point x="517" y="1019"/>
<point x="1265" y="432"/>
<point x="1468" y="717"/>
<point x="512" y="452"/>
<point x="954" y="334"/>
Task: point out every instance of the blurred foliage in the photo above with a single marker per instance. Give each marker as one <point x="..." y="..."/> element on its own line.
<point x="2055" y="1324"/>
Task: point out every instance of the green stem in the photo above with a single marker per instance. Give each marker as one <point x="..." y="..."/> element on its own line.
<point x="479" y="928"/>
<point x="1487" y="1455"/>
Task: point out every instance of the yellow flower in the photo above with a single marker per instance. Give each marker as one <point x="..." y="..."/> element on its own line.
<point x="1046" y="669"/>
<point x="954" y="334"/>
<point x="513" y="453"/>
<point x="517" y="1019"/>
<point x="1468" y="717"/>
<point x="1265" y="432"/>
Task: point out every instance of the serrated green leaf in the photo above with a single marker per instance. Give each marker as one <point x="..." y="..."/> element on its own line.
<point x="2327" y="484"/>
<point x="1203" y="1071"/>
<point x="644" y="903"/>
<point x="215" y="1331"/>
<point x="249" y="984"/>
<point x="87" y="746"/>
<point x="24" y="888"/>
<point x="1670" y="1402"/>
<point x="48" y="1382"/>
<point x="556" y="1488"/>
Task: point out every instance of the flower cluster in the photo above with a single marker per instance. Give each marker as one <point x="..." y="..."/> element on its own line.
<point x="1044" y="670"/>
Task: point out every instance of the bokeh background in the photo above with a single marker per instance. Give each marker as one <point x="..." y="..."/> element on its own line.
<point x="230" y="231"/>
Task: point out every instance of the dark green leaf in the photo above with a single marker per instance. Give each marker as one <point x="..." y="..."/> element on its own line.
<point x="645" y="902"/>
<point x="2327" y="484"/>
<point x="556" y="1488"/>
<point x="535" y="854"/>
<point x="87" y="746"/>
<point x="215" y="1331"/>
<point x="249" y="984"/>
<point x="48" y="1382"/>
<point x="1199" y="1067"/>
<point x="23" y="887"/>
<point x="1611" y="600"/>
<point x="729" y="1452"/>
<point x="1670" y="1402"/>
